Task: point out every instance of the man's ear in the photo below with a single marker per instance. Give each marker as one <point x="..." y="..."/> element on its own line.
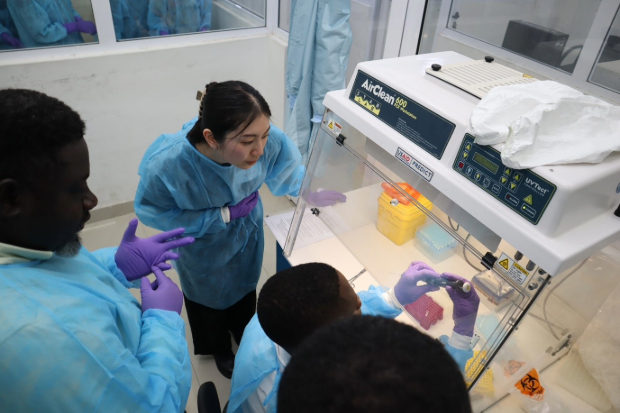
<point x="11" y="198"/>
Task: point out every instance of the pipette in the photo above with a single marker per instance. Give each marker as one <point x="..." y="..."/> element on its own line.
<point x="440" y="282"/>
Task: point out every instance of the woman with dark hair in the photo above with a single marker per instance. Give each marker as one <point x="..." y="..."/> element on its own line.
<point x="205" y="178"/>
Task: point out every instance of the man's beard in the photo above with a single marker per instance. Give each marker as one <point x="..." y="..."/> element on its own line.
<point x="71" y="248"/>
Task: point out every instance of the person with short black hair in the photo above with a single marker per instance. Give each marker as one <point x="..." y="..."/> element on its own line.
<point x="294" y="303"/>
<point x="369" y="365"/>
<point x="72" y="338"/>
<point x="297" y="301"/>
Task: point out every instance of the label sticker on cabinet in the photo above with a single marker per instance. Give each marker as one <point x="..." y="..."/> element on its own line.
<point x="425" y="128"/>
<point x="514" y="270"/>
<point x="414" y="164"/>
<point x="334" y="127"/>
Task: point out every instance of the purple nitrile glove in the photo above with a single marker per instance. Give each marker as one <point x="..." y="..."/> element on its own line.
<point x="136" y="256"/>
<point x="164" y="32"/>
<point x="11" y="41"/>
<point x="325" y="198"/>
<point x="204" y="29"/>
<point x="465" y="306"/>
<point x="244" y="207"/>
<point x="82" y="26"/>
<point x="161" y="294"/>
<point x="407" y="290"/>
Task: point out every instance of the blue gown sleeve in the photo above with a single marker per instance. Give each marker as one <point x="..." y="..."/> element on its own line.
<point x="460" y="356"/>
<point x="333" y="41"/>
<point x="286" y="173"/>
<point x="106" y="257"/>
<point x="36" y="21"/>
<point x="4" y="30"/>
<point x="156" y="207"/>
<point x="374" y="303"/>
<point x="256" y="359"/>
<point x="205" y="15"/>
<point x="156" y="18"/>
<point x="163" y="354"/>
<point x="90" y="368"/>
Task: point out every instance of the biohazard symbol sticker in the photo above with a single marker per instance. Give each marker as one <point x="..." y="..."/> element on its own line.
<point x="504" y="263"/>
<point x="530" y="385"/>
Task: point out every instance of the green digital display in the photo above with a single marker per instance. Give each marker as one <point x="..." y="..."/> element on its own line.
<point x="481" y="160"/>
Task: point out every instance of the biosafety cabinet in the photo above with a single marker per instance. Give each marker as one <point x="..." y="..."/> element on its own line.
<point x="537" y="245"/>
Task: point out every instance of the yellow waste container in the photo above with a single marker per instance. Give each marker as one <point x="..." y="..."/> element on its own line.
<point x="399" y="222"/>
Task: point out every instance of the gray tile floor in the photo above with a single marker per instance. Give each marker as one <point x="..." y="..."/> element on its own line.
<point x="108" y="233"/>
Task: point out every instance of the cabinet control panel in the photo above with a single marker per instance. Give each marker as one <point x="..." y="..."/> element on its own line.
<point x="522" y="190"/>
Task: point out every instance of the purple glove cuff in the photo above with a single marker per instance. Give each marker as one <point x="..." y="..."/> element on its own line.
<point x="465" y="325"/>
<point x="71" y="27"/>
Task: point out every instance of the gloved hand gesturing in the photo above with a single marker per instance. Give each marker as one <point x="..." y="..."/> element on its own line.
<point x="406" y="289"/>
<point x="324" y="198"/>
<point x="80" y="25"/>
<point x="161" y="294"/>
<point x="244" y="207"/>
<point x="465" y="306"/>
<point x="11" y="41"/>
<point x="136" y="256"/>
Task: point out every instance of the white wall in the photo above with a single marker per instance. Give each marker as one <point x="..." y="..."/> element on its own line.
<point x="128" y="100"/>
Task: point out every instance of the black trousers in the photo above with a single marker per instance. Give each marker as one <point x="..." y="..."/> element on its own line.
<point x="211" y="328"/>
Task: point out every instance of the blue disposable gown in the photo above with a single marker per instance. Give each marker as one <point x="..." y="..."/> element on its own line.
<point x="40" y="22"/>
<point x="130" y="18"/>
<point x="179" y="16"/>
<point x="319" y="42"/>
<point x="6" y="25"/>
<point x="257" y="357"/>
<point x="73" y="339"/>
<point x="180" y="187"/>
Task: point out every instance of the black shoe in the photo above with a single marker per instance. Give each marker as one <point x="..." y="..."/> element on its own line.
<point x="225" y="363"/>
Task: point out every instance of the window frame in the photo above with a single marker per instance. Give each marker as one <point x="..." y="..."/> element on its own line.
<point x="580" y="78"/>
<point x="108" y="45"/>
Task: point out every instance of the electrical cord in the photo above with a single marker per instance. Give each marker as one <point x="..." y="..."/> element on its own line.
<point x="544" y="306"/>
<point x="452" y="225"/>
<point x="465" y="254"/>
<point x="542" y="319"/>
<point x="458" y="226"/>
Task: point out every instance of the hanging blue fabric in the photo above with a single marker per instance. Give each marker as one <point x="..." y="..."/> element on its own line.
<point x="320" y="39"/>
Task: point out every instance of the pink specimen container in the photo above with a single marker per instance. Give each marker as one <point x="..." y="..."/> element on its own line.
<point x="426" y="311"/>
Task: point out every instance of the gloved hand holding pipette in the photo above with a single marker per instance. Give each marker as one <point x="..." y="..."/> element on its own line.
<point x="420" y="279"/>
<point x="444" y="280"/>
<point x="407" y="289"/>
<point x="466" y="305"/>
<point x="464" y="315"/>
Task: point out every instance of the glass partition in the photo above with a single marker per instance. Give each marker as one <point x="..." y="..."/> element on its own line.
<point x="606" y="73"/>
<point x="393" y="217"/>
<point x="29" y="24"/>
<point x="284" y="17"/>
<point x="548" y="31"/>
<point x="135" y="19"/>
